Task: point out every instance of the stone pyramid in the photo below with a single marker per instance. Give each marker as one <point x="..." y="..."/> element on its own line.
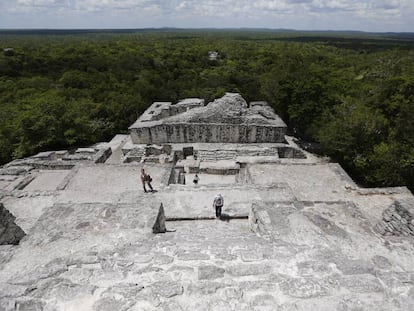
<point x="296" y="233"/>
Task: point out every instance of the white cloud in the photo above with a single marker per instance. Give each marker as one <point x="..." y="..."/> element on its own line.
<point x="374" y="15"/>
<point x="41" y="2"/>
<point x="273" y="5"/>
<point x="114" y="4"/>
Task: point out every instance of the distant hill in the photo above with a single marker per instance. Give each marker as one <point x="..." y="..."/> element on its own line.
<point x="279" y="32"/>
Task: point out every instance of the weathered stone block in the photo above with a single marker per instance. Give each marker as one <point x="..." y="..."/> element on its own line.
<point x="313" y="267"/>
<point x="305" y="287"/>
<point x="27" y="304"/>
<point x="204" y="287"/>
<point x="396" y="216"/>
<point x="188" y="256"/>
<point x="170" y="306"/>
<point x="387" y="217"/>
<point x="349" y="266"/>
<point x="361" y="284"/>
<point x="210" y="272"/>
<point x="167" y="289"/>
<point x="252" y="269"/>
<point x="405" y="230"/>
<point x="231" y="293"/>
<point x="381" y="262"/>
<point x="111" y="304"/>
<point x="249" y="256"/>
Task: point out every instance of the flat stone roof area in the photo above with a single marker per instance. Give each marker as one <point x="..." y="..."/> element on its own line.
<point x="309" y="182"/>
<point x="197" y="201"/>
<point x="230" y="107"/>
<point x="114" y="178"/>
<point x="28" y="209"/>
<point x="47" y="180"/>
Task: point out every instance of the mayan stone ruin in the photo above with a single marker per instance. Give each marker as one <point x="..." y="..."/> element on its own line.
<point x="226" y="120"/>
<point x="296" y="232"/>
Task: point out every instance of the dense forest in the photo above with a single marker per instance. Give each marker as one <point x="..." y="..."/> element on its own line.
<point x="352" y="94"/>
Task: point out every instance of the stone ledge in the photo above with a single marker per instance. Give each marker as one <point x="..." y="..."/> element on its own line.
<point x="381" y="191"/>
<point x="224" y="217"/>
<point x="220" y="167"/>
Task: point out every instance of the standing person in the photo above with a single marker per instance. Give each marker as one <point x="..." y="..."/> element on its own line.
<point x="218" y="204"/>
<point x="146" y="179"/>
<point x="196" y="179"/>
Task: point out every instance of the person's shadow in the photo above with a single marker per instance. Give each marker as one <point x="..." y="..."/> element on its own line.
<point x="225" y="217"/>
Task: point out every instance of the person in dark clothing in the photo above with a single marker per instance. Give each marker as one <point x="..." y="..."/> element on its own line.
<point x="218" y="204"/>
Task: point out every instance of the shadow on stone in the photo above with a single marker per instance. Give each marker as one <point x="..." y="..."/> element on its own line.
<point x="225" y="217"/>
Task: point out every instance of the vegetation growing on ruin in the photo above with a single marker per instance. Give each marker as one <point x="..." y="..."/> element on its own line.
<point x="352" y="93"/>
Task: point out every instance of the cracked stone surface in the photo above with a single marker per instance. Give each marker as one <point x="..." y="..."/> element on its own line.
<point x="296" y="235"/>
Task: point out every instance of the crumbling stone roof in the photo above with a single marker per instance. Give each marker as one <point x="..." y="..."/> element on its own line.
<point x="228" y="119"/>
<point x="229" y="109"/>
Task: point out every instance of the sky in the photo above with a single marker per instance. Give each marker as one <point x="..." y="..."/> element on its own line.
<point x="364" y="15"/>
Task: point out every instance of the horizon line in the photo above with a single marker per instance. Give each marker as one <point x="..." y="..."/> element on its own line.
<point x="206" y="28"/>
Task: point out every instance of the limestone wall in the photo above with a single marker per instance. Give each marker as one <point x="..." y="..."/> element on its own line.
<point x="207" y="133"/>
